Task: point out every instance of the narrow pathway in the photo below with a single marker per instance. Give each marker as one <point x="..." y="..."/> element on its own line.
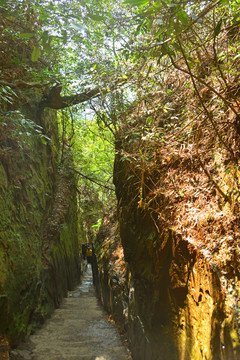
<point x="78" y="330"/>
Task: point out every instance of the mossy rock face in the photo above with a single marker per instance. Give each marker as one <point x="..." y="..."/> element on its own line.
<point x="4" y="311"/>
<point x="33" y="281"/>
<point x="3" y="177"/>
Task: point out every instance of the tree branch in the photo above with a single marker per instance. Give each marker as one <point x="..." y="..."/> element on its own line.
<point x="55" y="101"/>
<point x="23" y="84"/>
<point x="92" y="180"/>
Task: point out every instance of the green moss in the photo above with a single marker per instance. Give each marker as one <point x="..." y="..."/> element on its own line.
<point x="3" y="177"/>
<point x="32" y="288"/>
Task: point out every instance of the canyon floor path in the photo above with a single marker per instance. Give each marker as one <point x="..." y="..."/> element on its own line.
<point x="78" y="330"/>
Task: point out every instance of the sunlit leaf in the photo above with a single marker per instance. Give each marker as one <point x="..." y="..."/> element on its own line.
<point x="172" y="4"/>
<point x="236" y="17"/>
<point x="136" y="2"/>
<point x="96" y="17"/>
<point x="236" y="57"/>
<point x="26" y="35"/>
<point x="78" y="26"/>
<point x="183" y="17"/>
<point x="36" y="53"/>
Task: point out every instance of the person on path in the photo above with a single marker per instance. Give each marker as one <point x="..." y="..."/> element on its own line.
<point x="89" y="253"/>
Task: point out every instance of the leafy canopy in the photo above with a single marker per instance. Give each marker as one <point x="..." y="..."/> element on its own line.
<point x="89" y="43"/>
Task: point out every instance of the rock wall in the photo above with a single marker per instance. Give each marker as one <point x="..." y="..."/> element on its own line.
<point x="168" y="297"/>
<point x="110" y="273"/>
<point x="177" y="304"/>
<point x="39" y="231"/>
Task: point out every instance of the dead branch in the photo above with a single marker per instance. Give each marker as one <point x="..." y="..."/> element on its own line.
<point x="93" y="180"/>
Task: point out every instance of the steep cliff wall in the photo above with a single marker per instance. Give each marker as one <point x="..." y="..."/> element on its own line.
<point x="39" y="231"/>
<point x="178" y="304"/>
<point x="178" y="293"/>
<point x="167" y="298"/>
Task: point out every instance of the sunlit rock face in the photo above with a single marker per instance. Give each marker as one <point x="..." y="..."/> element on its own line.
<point x="168" y="297"/>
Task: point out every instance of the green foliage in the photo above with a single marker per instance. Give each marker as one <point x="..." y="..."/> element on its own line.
<point x="89" y="43"/>
<point x="24" y="130"/>
<point x="92" y="149"/>
<point x="73" y="36"/>
<point x="7" y="94"/>
<point x="36" y="53"/>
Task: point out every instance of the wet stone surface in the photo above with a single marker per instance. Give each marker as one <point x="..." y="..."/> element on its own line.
<point x="78" y="330"/>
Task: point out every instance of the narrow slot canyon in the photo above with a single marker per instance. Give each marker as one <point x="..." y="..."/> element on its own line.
<point x="119" y="167"/>
<point x="78" y="329"/>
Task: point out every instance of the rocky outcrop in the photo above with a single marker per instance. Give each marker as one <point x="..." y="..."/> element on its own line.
<point x="172" y="301"/>
<point x="110" y="273"/>
<point x="39" y="231"/>
<point x="177" y="301"/>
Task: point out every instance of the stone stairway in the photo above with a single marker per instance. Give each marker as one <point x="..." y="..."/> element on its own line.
<point x="78" y="330"/>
